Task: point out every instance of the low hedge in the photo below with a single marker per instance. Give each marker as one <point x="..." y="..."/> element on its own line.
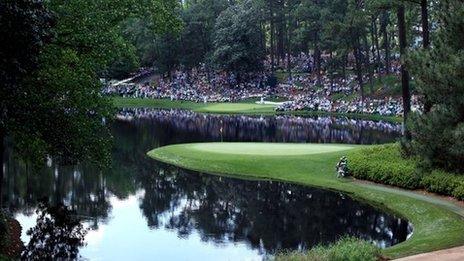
<point x="385" y="164"/>
<point x="346" y="249"/>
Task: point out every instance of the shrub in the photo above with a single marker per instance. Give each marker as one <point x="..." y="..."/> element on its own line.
<point x="442" y="182"/>
<point x="346" y="249"/>
<point x="459" y="192"/>
<point x="384" y="164"/>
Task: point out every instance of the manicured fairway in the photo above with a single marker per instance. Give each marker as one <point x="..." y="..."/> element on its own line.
<point x="438" y="224"/>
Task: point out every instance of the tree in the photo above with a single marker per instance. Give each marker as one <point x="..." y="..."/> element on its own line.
<point x="51" y="105"/>
<point x="237" y="39"/>
<point x="25" y="26"/>
<point x="438" y="135"/>
<point x="196" y="37"/>
<point x="167" y="51"/>
<point x="311" y="13"/>
<point x="404" y="72"/>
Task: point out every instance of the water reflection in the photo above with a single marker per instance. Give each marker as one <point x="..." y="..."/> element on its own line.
<point x="187" y="125"/>
<point x="57" y="235"/>
<point x="267" y="215"/>
<point x="148" y="205"/>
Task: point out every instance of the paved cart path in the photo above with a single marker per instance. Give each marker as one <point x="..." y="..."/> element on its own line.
<point x="451" y="254"/>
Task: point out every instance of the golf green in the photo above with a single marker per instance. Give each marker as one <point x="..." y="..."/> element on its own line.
<point x="269" y="149"/>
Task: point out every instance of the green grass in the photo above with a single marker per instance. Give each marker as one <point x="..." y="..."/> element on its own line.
<point x="268" y="149"/>
<point x="247" y="107"/>
<point x="437" y="223"/>
<point x="346" y="249"/>
<point x="236" y="108"/>
<point x="223" y="108"/>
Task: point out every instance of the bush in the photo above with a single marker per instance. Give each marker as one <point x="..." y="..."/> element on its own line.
<point x="346" y="249"/>
<point x="442" y="182"/>
<point x="384" y="164"/>
<point x="459" y="192"/>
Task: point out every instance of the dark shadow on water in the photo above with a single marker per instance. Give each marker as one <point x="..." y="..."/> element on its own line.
<point x="268" y="215"/>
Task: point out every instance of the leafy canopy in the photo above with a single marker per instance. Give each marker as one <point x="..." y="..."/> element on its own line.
<point x="51" y="102"/>
<point x="238" y="39"/>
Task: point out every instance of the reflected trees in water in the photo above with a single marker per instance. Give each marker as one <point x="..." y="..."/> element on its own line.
<point x="267" y="216"/>
<point x="58" y="234"/>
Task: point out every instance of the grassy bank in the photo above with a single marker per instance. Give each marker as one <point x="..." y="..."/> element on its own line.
<point x="350" y="249"/>
<point x="248" y="107"/>
<point x="438" y="224"/>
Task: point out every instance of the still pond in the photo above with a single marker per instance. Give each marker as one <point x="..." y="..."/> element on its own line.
<point x="140" y="209"/>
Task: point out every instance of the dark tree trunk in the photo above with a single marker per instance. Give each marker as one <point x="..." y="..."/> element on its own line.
<point x="331" y="74"/>
<point x="262" y="28"/>
<point x="271" y="18"/>
<point x="404" y="71"/>
<point x="425" y="42"/>
<point x="376" y="43"/>
<point x="317" y="57"/>
<point x="385" y="22"/>
<point x="280" y="39"/>
<point x="2" y="157"/>
<point x="425" y="24"/>
<point x="358" y="59"/>
<point x="367" y="62"/>
<point x="289" y="35"/>
<point x="345" y="62"/>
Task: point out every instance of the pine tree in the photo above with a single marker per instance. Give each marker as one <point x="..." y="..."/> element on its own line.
<point x="438" y="135"/>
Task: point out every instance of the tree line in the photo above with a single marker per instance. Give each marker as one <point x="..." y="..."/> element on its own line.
<point x="358" y="37"/>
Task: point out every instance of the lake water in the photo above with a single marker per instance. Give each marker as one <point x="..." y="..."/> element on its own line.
<point x="141" y="209"/>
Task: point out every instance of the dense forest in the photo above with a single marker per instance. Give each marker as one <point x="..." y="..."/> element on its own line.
<point x="241" y="35"/>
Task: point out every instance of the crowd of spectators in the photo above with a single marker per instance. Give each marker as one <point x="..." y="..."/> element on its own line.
<point x="387" y="106"/>
<point x="199" y="85"/>
<point x="303" y="91"/>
